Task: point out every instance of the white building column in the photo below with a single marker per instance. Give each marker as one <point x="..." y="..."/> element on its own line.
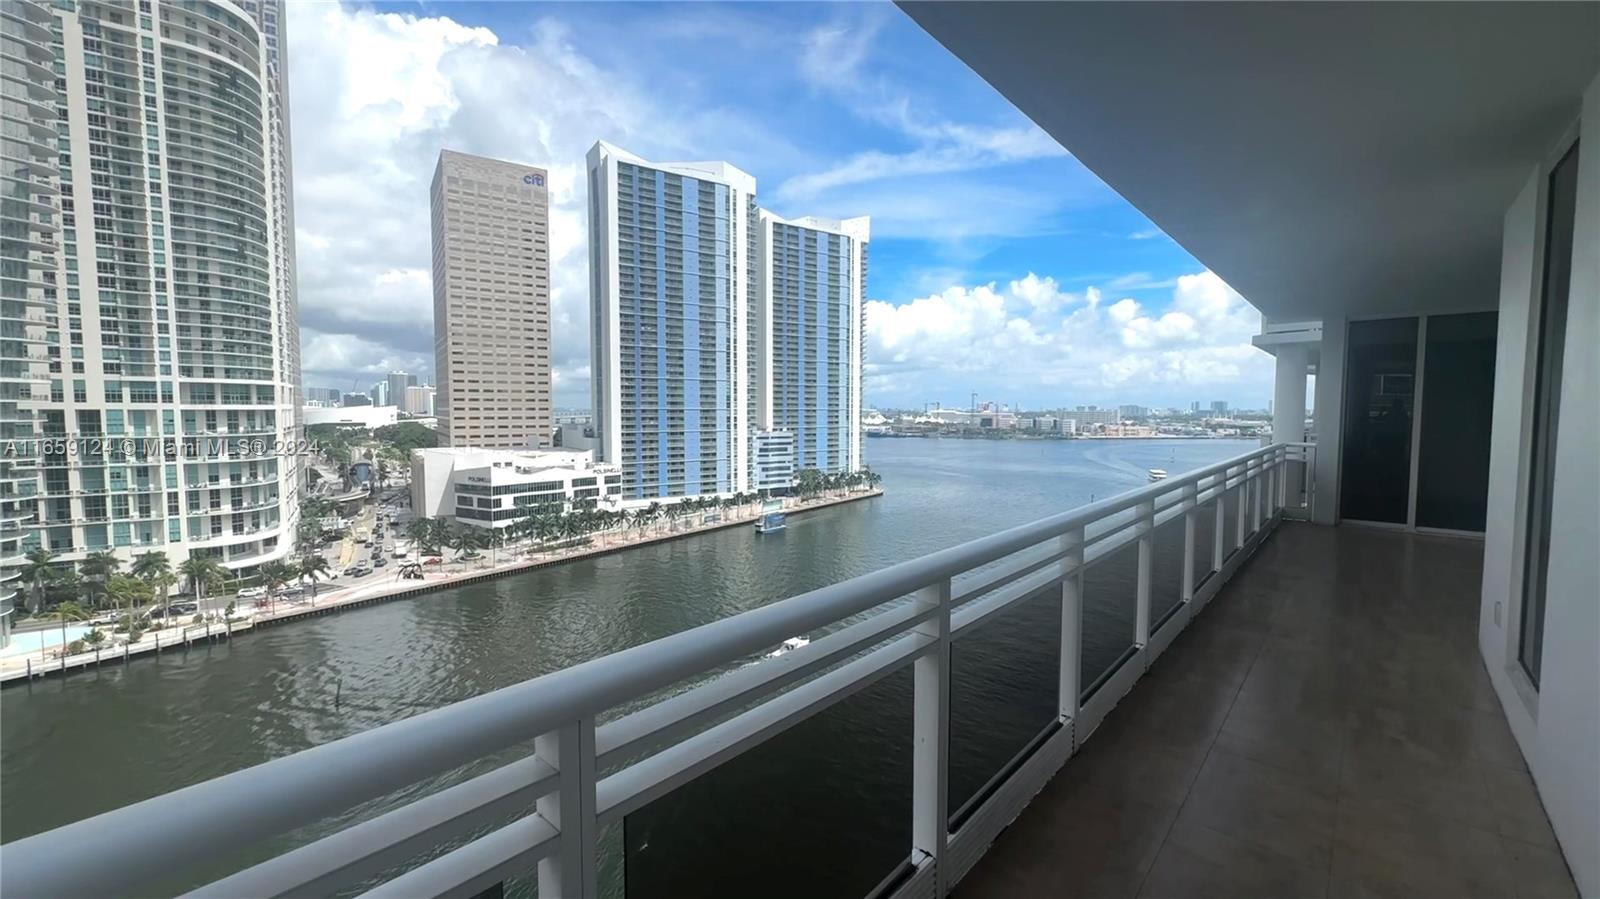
<point x="1289" y="408"/>
<point x="1330" y="420"/>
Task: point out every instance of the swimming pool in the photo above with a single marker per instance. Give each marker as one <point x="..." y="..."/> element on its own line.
<point x="33" y="641"/>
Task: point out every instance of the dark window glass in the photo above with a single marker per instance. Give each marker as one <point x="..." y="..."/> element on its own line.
<point x="1457" y="411"/>
<point x="1559" y="225"/>
<point x="1380" y="375"/>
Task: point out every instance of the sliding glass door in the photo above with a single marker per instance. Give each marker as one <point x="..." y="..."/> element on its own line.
<point x="1419" y="401"/>
<point x="1457" y="414"/>
<point x="1380" y="383"/>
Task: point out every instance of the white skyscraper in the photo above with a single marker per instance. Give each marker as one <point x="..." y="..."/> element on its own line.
<point x="166" y="350"/>
<point x="673" y="287"/>
<point x="809" y="349"/>
<point x="30" y="250"/>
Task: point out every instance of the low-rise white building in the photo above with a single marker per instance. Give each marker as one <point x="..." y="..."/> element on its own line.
<point x="368" y="417"/>
<point x="494" y="488"/>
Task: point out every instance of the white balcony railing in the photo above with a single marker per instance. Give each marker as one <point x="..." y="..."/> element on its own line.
<point x="584" y="774"/>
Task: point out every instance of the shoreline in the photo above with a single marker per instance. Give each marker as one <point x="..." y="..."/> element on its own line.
<point x="34" y="665"/>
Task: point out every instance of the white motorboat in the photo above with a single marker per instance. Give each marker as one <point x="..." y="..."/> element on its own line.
<point x="789" y="645"/>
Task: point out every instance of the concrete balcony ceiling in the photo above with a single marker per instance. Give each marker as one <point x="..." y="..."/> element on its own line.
<point x="1322" y="158"/>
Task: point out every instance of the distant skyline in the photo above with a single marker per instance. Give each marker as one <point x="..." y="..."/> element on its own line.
<point x="999" y="264"/>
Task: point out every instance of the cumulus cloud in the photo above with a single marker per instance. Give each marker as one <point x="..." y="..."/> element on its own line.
<point x="1032" y="341"/>
<point x="375" y="96"/>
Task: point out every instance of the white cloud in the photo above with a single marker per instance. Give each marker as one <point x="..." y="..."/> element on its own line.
<point x="1033" y="341"/>
<point x="375" y="97"/>
<point x="835" y="59"/>
<point x="1146" y="234"/>
<point x="950" y="148"/>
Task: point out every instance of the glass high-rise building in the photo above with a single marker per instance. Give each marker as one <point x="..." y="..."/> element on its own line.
<point x="166" y="371"/>
<point x="673" y="288"/>
<point x="270" y="17"/>
<point x="813" y="294"/>
<point x="30" y="210"/>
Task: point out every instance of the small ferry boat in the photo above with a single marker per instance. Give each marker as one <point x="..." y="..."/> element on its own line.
<point x="771" y="518"/>
<point x="1158" y="474"/>
<point x="789" y="645"/>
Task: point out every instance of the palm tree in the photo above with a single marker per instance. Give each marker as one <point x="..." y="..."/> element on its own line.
<point x="154" y="569"/>
<point x="202" y="572"/>
<point x="274" y="575"/>
<point x="313" y="566"/>
<point x="64" y="585"/>
<point x="421" y="532"/>
<point x="126" y="591"/>
<point x="37" y="570"/>
<point x="98" y="567"/>
<point x="68" y="611"/>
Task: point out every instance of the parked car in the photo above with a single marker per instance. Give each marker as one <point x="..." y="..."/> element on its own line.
<point x="380" y="562"/>
<point x="353" y="571"/>
<point x="363" y="571"/>
<point x="183" y="608"/>
<point x="252" y="592"/>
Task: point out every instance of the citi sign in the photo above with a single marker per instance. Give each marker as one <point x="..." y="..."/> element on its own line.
<point x="533" y="180"/>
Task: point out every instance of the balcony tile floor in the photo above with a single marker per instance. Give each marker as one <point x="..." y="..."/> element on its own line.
<point x="1324" y="728"/>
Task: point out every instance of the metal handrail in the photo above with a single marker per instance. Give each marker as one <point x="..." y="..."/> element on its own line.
<point x="188" y="828"/>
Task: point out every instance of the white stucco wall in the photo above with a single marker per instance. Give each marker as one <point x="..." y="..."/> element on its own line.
<point x="1557" y="726"/>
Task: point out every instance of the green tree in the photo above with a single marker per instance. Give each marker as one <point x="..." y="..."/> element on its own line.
<point x="422" y="532"/>
<point x="65" y="612"/>
<point x="202" y="572"/>
<point x="66" y="585"/>
<point x="406" y="436"/>
<point x="127" y="592"/>
<point x="98" y="567"/>
<point x="36" y="572"/>
<point x="313" y="566"/>
<point x="808" y="482"/>
<point x="274" y="575"/>
<point x="156" y="570"/>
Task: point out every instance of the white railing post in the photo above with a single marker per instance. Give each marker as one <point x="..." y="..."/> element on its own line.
<point x="930" y="760"/>
<point x="1269" y="494"/>
<point x="1068" y="690"/>
<point x="1220" y="528"/>
<point x="1242" y="521"/>
<point x="1256" y="483"/>
<point x="1191" y="506"/>
<point x="1284" y="478"/>
<point x="1147" y="555"/>
<point x="572" y="872"/>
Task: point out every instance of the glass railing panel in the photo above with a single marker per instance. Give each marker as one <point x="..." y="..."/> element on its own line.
<point x="1166" y="571"/>
<point x="822" y="809"/>
<point x="1003" y="692"/>
<point x="1230" y="522"/>
<point x="1110" y="597"/>
<point x="1205" y="529"/>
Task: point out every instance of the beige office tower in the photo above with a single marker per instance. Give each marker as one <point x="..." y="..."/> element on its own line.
<point x="491" y="302"/>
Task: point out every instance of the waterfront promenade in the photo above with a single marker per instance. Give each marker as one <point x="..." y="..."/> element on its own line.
<point x="379" y="588"/>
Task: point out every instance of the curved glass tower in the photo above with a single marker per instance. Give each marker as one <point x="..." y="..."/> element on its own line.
<point x="169" y="384"/>
<point x="29" y="221"/>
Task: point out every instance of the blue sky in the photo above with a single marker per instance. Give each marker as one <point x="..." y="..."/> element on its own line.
<point x="999" y="264"/>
